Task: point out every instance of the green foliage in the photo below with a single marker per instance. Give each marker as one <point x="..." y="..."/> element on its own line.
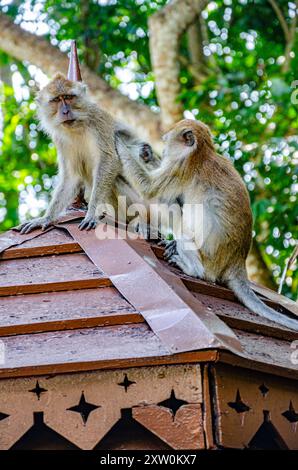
<point x="245" y="96"/>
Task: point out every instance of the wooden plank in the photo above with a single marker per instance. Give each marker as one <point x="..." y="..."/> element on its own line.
<point x="237" y="316"/>
<point x="89" y="349"/>
<point x="207" y="410"/>
<point x="13" y="238"/>
<point x="25" y="314"/>
<point x="55" y="286"/>
<point x="47" y="269"/>
<point x="264" y="354"/>
<point x="50" y="273"/>
<point x="53" y="242"/>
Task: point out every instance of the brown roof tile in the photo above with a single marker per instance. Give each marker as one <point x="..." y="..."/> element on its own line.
<point x="69" y="301"/>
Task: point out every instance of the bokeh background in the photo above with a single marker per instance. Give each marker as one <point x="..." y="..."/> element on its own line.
<point x="235" y="69"/>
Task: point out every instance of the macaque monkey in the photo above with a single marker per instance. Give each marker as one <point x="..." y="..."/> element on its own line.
<point x="84" y="137"/>
<point x="88" y="143"/>
<point x="192" y="173"/>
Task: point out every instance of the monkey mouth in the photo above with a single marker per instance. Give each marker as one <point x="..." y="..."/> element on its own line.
<point x="69" y="122"/>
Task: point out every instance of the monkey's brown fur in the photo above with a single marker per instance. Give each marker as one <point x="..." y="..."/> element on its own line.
<point x="192" y="172"/>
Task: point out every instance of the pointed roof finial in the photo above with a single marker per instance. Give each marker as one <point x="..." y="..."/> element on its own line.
<point x="74" y="73"/>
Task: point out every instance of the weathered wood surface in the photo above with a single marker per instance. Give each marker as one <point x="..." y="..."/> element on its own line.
<point x="184" y="431"/>
<point x="42" y="274"/>
<point x="87" y="349"/>
<point x="163" y="301"/>
<point x="237" y="316"/>
<point x="85" y="308"/>
<point x="52" y="242"/>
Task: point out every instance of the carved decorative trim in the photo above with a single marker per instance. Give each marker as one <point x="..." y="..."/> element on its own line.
<point x="254" y="410"/>
<point x="83" y="407"/>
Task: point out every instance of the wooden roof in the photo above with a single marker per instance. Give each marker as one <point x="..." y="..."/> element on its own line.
<point x="70" y="301"/>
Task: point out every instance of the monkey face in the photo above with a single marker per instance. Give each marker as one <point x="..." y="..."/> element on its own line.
<point x="62" y="103"/>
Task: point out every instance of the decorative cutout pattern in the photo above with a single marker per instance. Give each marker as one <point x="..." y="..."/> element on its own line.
<point x="291" y="415"/>
<point x="263" y="428"/>
<point x="267" y="437"/>
<point x="173" y="403"/>
<point x="263" y="389"/>
<point x="126" y="383"/>
<point x="84" y="408"/>
<point x="38" y="390"/>
<point x="3" y="416"/>
<point x="238" y="405"/>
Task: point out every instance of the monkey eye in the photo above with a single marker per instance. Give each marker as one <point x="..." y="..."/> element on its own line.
<point x="68" y="97"/>
<point x="55" y="100"/>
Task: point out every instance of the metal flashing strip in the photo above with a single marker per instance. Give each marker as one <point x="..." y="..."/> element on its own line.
<point x="180" y="321"/>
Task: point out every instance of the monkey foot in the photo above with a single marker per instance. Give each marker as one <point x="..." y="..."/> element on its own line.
<point x="170" y="248"/>
<point x="88" y="223"/>
<point x="27" y="227"/>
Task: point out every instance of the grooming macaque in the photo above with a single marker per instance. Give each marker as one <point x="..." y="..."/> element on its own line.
<point x="192" y="173"/>
<point x="88" y="141"/>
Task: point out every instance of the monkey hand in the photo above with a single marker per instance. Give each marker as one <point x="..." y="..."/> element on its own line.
<point x="40" y="222"/>
<point x="170" y="248"/>
<point x="146" y="153"/>
<point x="89" y="222"/>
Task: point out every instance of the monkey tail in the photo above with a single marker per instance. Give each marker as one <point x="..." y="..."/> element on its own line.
<point x="246" y="295"/>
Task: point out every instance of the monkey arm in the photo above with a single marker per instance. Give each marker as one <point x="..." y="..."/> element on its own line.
<point x="104" y="178"/>
<point x="146" y="184"/>
<point x="63" y="195"/>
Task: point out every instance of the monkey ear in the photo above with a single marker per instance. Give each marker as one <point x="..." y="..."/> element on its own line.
<point x="188" y="137"/>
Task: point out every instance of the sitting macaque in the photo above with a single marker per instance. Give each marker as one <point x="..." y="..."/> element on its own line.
<point x="88" y="141"/>
<point x="194" y="175"/>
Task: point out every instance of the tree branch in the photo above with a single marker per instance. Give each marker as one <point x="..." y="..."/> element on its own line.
<point x="290" y="43"/>
<point x="26" y="46"/>
<point x="289" y="32"/>
<point x="289" y="264"/>
<point x="195" y="49"/>
<point x="166" y="27"/>
<point x="281" y="18"/>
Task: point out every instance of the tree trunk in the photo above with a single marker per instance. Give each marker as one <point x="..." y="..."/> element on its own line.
<point x="166" y="27"/>
<point x="195" y="49"/>
<point x="26" y="46"/>
<point x="257" y="269"/>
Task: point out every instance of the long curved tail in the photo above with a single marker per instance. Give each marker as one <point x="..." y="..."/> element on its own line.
<point x="246" y="295"/>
